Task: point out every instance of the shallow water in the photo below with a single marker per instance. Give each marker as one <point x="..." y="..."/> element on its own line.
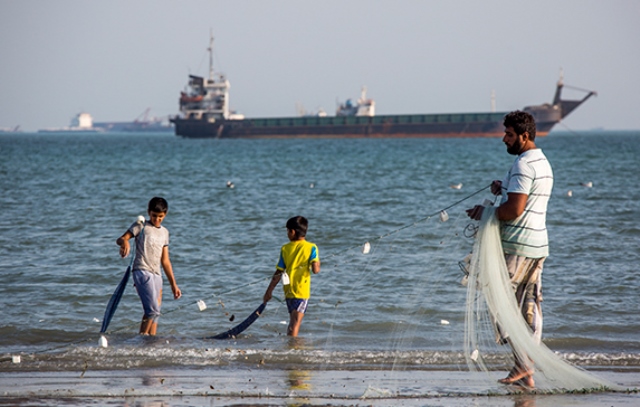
<point x="66" y="198"/>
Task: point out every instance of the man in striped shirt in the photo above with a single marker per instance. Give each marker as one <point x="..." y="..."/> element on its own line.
<point x="525" y="193"/>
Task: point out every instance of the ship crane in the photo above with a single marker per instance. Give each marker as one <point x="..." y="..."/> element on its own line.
<point x="144" y="115"/>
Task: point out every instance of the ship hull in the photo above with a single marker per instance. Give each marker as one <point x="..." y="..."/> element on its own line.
<point x="390" y="126"/>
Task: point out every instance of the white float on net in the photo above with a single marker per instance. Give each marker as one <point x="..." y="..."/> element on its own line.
<point x="102" y="342"/>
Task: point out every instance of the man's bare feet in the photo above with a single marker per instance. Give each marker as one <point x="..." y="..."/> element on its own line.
<point x="527" y="382"/>
<point x="517" y="374"/>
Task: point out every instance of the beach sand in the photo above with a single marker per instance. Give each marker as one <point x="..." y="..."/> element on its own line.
<point x="267" y="387"/>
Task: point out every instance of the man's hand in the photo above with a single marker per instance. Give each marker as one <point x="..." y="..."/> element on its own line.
<point x="496" y="187"/>
<point x="475" y="213"/>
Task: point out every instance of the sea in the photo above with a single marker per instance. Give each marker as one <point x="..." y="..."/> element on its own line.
<point x="387" y="311"/>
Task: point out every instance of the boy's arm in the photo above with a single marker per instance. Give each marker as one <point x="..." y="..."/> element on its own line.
<point x="274" y="282"/>
<point x="123" y="242"/>
<point x="315" y="267"/>
<point x="168" y="271"/>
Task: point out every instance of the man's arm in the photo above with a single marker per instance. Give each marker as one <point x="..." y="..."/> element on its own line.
<point x="513" y="208"/>
<point x="510" y="210"/>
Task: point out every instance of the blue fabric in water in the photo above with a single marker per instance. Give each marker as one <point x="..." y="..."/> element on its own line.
<point x="115" y="300"/>
<point x="238" y="329"/>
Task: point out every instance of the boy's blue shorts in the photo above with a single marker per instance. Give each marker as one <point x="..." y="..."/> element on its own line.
<point x="149" y="287"/>
<point x="297" y="304"/>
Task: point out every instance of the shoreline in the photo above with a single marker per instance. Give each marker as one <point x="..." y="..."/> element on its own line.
<point x="208" y="386"/>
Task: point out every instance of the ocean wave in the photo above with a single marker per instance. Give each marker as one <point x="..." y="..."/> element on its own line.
<point x="141" y="352"/>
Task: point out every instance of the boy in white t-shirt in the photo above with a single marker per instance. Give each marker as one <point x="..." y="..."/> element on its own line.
<point x="152" y="254"/>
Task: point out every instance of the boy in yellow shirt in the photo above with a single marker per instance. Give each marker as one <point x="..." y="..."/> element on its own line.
<point x="297" y="259"/>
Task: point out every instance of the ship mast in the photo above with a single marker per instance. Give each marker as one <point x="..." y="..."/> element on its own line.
<point x="493" y="101"/>
<point x="210" y="49"/>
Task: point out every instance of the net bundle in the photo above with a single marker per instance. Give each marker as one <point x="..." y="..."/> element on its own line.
<point x="490" y="297"/>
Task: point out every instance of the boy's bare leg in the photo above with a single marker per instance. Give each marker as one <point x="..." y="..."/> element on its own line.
<point x="148" y="326"/>
<point x="295" y="319"/>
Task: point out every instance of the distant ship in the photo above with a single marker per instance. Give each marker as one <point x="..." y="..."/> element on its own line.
<point x="81" y="123"/>
<point x="143" y="123"/>
<point x="204" y="113"/>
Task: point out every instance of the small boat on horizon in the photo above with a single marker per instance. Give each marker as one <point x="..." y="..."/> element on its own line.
<point x="15" y="129"/>
<point x="80" y="123"/>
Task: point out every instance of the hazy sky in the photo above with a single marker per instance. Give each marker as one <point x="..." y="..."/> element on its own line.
<point x="116" y="58"/>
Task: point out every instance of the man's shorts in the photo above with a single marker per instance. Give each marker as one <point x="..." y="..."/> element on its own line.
<point x="526" y="280"/>
<point x="149" y="287"/>
<point x="297" y="304"/>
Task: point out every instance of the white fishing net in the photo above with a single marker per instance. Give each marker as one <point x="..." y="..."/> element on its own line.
<point x="490" y="298"/>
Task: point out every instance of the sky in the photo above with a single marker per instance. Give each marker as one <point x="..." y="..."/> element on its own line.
<point x="115" y="59"/>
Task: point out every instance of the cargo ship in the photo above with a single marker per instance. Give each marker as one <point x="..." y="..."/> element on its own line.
<point x="205" y="113"/>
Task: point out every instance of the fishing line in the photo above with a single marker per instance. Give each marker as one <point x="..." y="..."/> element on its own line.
<point x="371" y="263"/>
<point x="132" y="325"/>
<point x="363" y="273"/>
<point x="214" y="295"/>
<point x="347" y="250"/>
<point x="427" y="311"/>
<point x="437" y="213"/>
<point x="427" y="282"/>
<point x="382" y="246"/>
<point x="434" y="278"/>
<point x="570" y="130"/>
<point x="376" y="240"/>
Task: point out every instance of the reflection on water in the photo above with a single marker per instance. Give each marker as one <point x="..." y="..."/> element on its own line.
<point x="525" y="401"/>
<point x="298" y="380"/>
<point x="299" y="343"/>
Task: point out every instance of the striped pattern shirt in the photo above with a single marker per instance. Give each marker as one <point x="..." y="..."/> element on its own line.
<point x="526" y="235"/>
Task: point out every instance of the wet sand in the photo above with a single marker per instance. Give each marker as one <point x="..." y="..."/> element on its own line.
<point x="265" y="387"/>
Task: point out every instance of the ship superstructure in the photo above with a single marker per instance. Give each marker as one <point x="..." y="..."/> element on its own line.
<point x="206" y="98"/>
<point x="363" y="107"/>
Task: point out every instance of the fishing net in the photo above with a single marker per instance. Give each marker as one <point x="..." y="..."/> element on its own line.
<point x="491" y="300"/>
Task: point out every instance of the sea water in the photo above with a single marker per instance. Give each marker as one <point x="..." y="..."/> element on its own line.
<point x="66" y="198"/>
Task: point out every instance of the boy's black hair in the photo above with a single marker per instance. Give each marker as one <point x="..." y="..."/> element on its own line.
<point x="521" y="122"/>
<point x="299" y="224"/>
<point x="158" y="204"/>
